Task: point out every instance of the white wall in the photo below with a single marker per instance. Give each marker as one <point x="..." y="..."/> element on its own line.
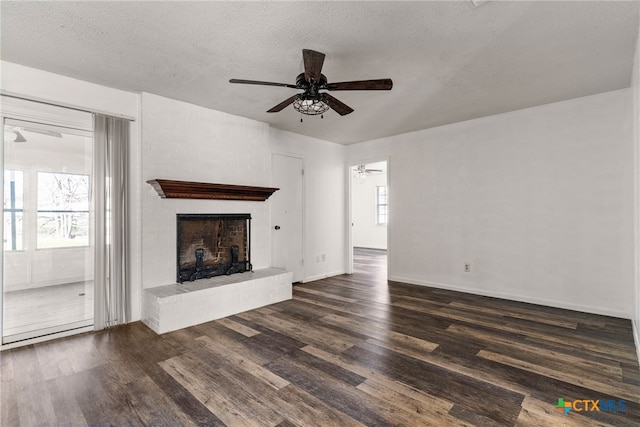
<point x="59" y="89"/>
<point x="366" y="232"/>
<point x="539" y="201"/>
<point x="635" y="87"/>
<point x="181" y="141"/>
<point x="324" y="205"/>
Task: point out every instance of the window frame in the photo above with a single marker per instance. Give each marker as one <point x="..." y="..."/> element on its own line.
<point x="384" y="206"/>
<point x="13" y="210"/>
<point x="39" y="211"/>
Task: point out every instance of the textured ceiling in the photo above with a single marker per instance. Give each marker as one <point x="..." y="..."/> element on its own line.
<point x="449" y="61"/>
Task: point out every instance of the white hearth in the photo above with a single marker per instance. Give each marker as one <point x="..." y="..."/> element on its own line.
<point x="176" y="306"/>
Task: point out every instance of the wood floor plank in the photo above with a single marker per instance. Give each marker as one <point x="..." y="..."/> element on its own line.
<point x="326" y="294"/>
<point x="345" y="398"/>
<point x="318" y="336"/>
<point x="12" y="382"/>
<point x="26" y="382"/>
<point x="34" y="406"/>
<point x="436" y="404"/>
<point x="238" y="327"/>
<point x="620" y="352"/>
<point x="247" y="365"/>
<point x="467" y="415"/>
<point x="566" y="362"/>
<point x="181" y="397"/>
<point x="304" y="409"/>
<point x="202" y="384"/>
<point x="625" y="391"/>
<point x="550" y="319"/>
<point x="540" y="387"/>
<point x="330" y="370"/>
<point x="9" y="410"/>
<point x="536" y="413"/>
<point x="153" y="407"/>
<point x="473" y="394"/>
<point x="102" y="397"/>
<point x="237" y="342"/>
<point x="65" y="404"/>
<point x="428" y="413"/>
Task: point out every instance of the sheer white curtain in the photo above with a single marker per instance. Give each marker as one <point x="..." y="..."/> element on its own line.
<point x="111" y="139"/>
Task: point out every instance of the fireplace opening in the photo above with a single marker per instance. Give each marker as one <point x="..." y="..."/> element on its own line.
<point x="211" y="245"/>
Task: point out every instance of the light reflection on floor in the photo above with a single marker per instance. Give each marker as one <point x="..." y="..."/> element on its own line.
<point x="41" y="308"/>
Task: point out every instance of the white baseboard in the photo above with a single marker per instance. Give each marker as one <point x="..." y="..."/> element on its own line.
<point x="322" y="276"/>
<point x="513" y="297"/>
<point x="43" y="284"/>
<point x="636" y="336"/>
<point x="47" y="338"/>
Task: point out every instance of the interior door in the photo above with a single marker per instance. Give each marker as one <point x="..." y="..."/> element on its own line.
<point x="286" y="215"/>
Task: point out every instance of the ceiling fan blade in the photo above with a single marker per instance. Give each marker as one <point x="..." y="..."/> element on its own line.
<point x="379" y="84"/>
<point x="283" y="104"/>
<point x="255" y="82"/>
<point x="312" y="64"/>
<point x="336" y="105"/>
<point x="19" y="137"/>
<point x="43" y="132"/>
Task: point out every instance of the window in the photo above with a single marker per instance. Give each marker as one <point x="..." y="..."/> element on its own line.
<point x="13" y="210"/>
<point x="381" y="204"/>
<point x="63" y="210"/>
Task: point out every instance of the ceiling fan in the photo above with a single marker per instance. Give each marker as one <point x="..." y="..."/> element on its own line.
<point x="14" y="134"/>
<point x="364" y="169"/>
<point x="311" y="101"/>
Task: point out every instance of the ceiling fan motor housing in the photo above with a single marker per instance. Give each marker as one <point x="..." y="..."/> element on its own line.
<point x="313" y="87"/>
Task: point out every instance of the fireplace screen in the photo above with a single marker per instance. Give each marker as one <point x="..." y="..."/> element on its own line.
<point x="211" y="245"/>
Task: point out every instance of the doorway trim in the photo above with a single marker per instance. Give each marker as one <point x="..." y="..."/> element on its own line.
<point x="19" y="108"/>
<point x="349" y="223"/>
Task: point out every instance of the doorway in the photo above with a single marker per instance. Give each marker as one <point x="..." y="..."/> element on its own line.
<point x="48" y="256"/>
<point x="368" y="209"/>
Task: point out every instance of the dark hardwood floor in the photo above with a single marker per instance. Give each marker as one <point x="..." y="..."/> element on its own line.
<point x="348" y="350"/>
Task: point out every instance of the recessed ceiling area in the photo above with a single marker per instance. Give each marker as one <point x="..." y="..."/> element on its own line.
<point x="449" y="61"/>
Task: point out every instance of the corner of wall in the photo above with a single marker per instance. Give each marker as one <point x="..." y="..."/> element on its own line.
<point x="635" y="83"/>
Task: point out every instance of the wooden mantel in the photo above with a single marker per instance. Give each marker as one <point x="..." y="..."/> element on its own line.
<point x="168" y="189"/>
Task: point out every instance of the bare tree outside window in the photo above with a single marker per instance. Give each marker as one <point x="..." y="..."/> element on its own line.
<point x="63" y="210"/>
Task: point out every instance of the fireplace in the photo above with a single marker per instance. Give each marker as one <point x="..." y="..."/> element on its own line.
<point x="211" y="245"/>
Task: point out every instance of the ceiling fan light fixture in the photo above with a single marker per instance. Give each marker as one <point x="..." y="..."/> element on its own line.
<point x="309" y="105"/>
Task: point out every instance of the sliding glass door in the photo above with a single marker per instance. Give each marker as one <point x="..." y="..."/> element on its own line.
<point x="48" y="252"/>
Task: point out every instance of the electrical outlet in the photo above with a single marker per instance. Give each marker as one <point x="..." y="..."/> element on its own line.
<point x="467" y="267"/>
<point x="323" y="258"/>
